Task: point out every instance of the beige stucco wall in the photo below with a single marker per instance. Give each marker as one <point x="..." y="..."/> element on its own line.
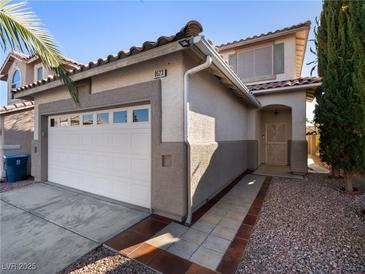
<point x="217" y="135"/>
<point x="26" y="74"/>
<point x="17" y="129"/>
<point x="172" y="85"/>
<point x="289" y="56"/>
<point x="215" y="113"/>
<point x="297" y="147"/>
<point x="297" y="102"/>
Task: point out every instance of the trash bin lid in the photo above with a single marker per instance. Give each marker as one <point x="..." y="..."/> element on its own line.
<point x="12" y="156"/>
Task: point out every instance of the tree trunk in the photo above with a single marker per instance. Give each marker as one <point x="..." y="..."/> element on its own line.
<point x="335" y="172"/>
<point x="348" y="182"/>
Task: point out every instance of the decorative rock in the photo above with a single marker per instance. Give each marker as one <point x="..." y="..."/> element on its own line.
<point x="307" y="226"/>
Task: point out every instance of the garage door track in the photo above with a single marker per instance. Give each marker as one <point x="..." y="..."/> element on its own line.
<point x="46" y="228"/>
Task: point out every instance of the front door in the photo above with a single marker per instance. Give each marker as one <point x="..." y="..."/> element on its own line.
<point x="276" y="144"/>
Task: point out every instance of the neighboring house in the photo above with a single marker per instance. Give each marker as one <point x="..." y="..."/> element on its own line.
<point x="17" y="117"/>
<point x="167" y="125"/>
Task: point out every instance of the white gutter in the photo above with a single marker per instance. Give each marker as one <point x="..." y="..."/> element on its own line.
<point x="187" y="75"/>
<point x="206" y="48"/>
<point x="283" y="89"/>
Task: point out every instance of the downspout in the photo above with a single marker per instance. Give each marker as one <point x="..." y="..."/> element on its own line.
<point x="187" y="75"/>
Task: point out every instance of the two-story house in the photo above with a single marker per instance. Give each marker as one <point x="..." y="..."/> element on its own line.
<point x="17" y="117"/>
<point x="270" y="65"/>
<point x="167" y="125"/>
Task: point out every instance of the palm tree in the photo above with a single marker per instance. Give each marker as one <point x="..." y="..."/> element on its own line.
<point x="21" y="30"/>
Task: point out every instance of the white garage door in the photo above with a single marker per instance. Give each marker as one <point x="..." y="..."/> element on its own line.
<point x="106" y="152"/>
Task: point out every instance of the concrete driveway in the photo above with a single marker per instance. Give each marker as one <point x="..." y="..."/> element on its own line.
<point x="49" y="227"/>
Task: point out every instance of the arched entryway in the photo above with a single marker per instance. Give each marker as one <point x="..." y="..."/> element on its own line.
<point x="276" y="133"/>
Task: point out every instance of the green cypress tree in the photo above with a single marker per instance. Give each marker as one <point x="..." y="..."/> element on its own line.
<point x="340" y="112"/>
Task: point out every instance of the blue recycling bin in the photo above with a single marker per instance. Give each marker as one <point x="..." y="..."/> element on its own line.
<point x="15" y="166"/>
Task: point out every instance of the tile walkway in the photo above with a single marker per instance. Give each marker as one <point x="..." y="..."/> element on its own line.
<point x="206" y="241"/>
<point x="276" y="171"/>
<point x="214" y="243"/>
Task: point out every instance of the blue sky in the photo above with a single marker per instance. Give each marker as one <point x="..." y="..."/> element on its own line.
<point x="87" y="30"/>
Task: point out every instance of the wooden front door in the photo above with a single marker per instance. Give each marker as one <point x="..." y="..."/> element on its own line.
<point x="276" y="144"/>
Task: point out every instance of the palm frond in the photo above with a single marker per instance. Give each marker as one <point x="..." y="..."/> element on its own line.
<point x="21" y="29"/>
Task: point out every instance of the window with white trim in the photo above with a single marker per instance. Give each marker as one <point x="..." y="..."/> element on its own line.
<point x="102" y="118"/>
<point x="16" y="79"/>
<point x="140" y="115"/>
<point x="39" y="72"/>
<point x="64" y="121"/>
<point x="258" y="62"/>
<point x="120" y="117"/>
<point x="88" y="119"/>
<point x="75" y="120"/>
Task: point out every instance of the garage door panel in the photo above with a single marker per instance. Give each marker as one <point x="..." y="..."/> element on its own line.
<point x="121" y="165"/>
<point x="140" y="168"/>
<point x="112" y="160"/>
<point x="140" y="143"/>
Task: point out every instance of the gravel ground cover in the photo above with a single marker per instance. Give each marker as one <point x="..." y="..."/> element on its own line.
<point x="307" y="226"/>
<point x="9" y="186"/>
<point x="103" y="260"/>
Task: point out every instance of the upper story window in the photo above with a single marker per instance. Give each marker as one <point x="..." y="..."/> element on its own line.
<point x="39" y="73"/>
<point x="15" y="80"/>
<point x="258" y="63"/>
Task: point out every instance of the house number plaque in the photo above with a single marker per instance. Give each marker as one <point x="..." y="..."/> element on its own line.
<point x="160" y="73"/>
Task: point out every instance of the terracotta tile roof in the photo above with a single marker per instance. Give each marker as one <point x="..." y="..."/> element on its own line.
<point x="192" y="28"/>
<point x="283" y="84"/>
<point x="16" y="106"/>
<point x="293" y="27"/>
<point x="20" y="55"/>
<point x="29" y="57"/>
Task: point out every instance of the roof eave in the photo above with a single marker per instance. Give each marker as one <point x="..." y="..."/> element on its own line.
<point x="121" y="63"/>
<point x="308" y="88"/>
<point x="263" y="38"/>
<point x="304" y="50"/>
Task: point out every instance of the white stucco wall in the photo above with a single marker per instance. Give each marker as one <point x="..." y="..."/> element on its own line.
<point x="172" y="95"/>
<point x="289" y="56"/>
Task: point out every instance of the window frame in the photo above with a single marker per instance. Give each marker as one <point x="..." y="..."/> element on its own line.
<point x="141" y="108"/>
<point x="253" y="49"/>
<point x="120" y="110"/>
<point x="82" y="119"/>
<point x="17" y="70"/>
<point x="102" y="112"/>
<point x="68" y="120"/>
<point x="36" y="67"/>
<point x="128" y="124"/>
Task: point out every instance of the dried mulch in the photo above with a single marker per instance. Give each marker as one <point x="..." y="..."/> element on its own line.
<point x="307" y="226"/>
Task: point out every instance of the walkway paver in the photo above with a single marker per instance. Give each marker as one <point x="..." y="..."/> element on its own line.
<point x="206" y="241"/>
<point x="212" y="244"/>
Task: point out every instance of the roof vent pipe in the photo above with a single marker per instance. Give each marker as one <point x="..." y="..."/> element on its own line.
<point x="187" y="75"/>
